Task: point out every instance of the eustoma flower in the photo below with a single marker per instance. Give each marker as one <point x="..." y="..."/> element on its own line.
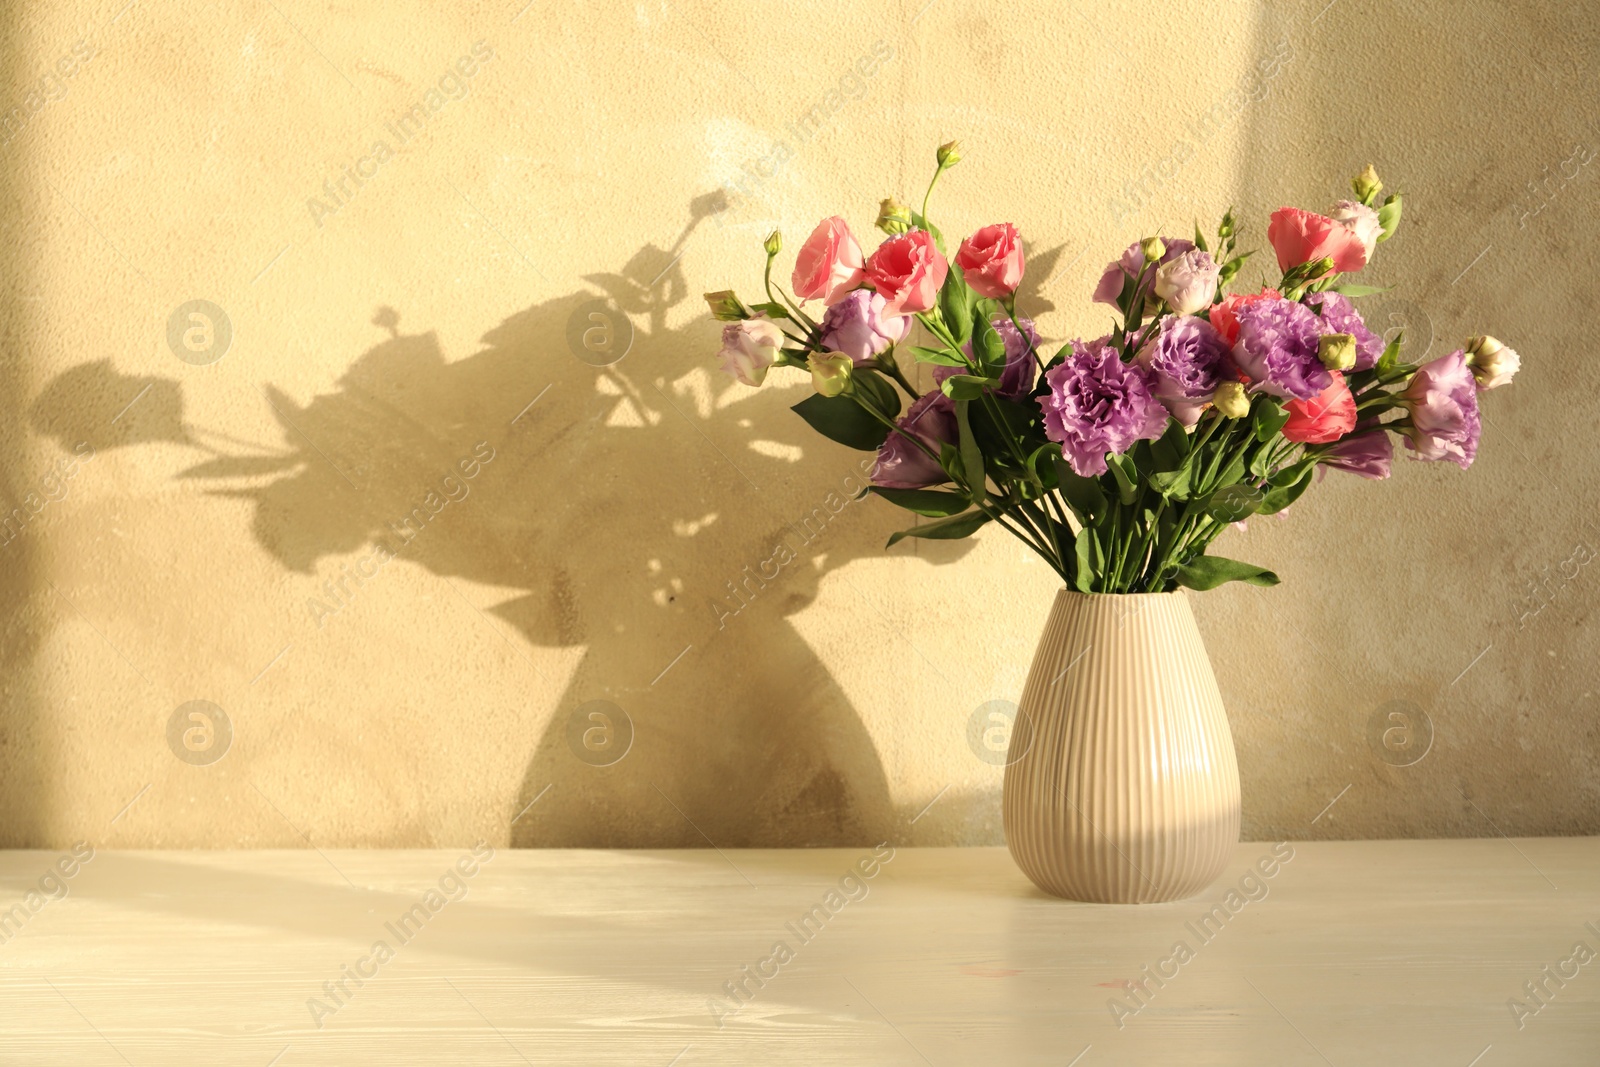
<point x="1493" y="364"/>
<point x="1302" y="236"/>
<point x="1225" y="315"/>
<point x="749" y="348"/>
<point x="858" y="327"/>
<point x="902" y="464"/>
<point x="829" y="264"/>
<point x="1186" y="358"/>
<point x="1188" y="282"/>
<point x="907" y="272"/>
<point x="1121" y="274"/>
<point x="1277" y="348"/>
<point x="1323" y="418"/>
<point x="1099" y="404"/>
<point x="1367" y="453"/>
<point x="1016" y="381"/>
<point x="1339" y="315"/>
<point x="1443" y="399"/>
<point x="991" y="261"/>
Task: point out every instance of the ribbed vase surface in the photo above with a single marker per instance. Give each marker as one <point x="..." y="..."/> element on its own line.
<point x="1121" y="785"/>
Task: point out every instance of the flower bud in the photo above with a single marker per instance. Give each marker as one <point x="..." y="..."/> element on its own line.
<point x="1367" y="185"/>
<point x="774" y="243"/>
<point x="1493" y="363"/>
<point x="830" y="372"/>
<point x="894" y="218"/>
<point x="1153" y="248"/>
<point x="1337" y="351"/>
<point x="1318" y="268"/>
<point x="1226" y="229"/>
<point x="726" y="306"/>
<point x="949" y="154"/>
<point x="1231" y="401"/>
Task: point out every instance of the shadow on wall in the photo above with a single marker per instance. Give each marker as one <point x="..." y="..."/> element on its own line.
<point x="643" y="510"/>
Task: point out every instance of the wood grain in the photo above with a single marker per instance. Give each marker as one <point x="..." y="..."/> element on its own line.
<point x="1354" y="953"/>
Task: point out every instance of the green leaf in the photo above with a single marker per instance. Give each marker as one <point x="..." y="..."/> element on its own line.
<point x="1083" y="495"/>
<point x="971" y="454"/>
<point x="951" y="529"/>
<point x="838" y="418"/>
<point x="1267" y="418"/>
<point x="935" y="503"/>
<point x="1200" y="238"/>
<point x="1174" y="485"/>
<point x="1351" y="290"/>
<point x="878" y="390"/>
<point x="1281" y="496"/>
<point x="966" y="386"/>
<point x="1090" y="561"/>
<point x="1292" y="473"/>
<point x="941" y="356"/>
<point x="1170" y="449"/>
<point x="923" y="224"/>
<point x="1234" y="502"/>
<point x="955" y="304"/>
<point x="1208" y="572"/>
<point x="1391" y="354"/>
<point x="1389" y="217"/>
<point x="987" y="346"/>
<point x="773" y="309"/>
<point x="1126" y="473"/>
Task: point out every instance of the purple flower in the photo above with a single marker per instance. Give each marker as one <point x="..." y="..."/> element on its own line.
<point x="1443" y="398"/>
<point x="1277" y="348"/>
<point x="1125" y="270"/>
<point x="1017" y="379"/>
<point x="1339" y="315"/>
<point x="1366" y="451"/>
<point x="1099" y="404"/>
<point x="857" y="326"/>
<point x="901" y="464"/>
<point x="1186" y="358"/>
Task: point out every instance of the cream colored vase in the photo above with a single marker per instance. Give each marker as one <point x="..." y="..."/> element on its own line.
<point x="1121" y="782"/>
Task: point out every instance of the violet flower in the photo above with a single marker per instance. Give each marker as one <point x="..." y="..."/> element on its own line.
<point x="1186" y="357"/>
<point x="1099" y="404"/>
<point x="1339" y="315"/>
<point x="857" y="326"/>
<point x="1366" y="451"/>
<point x="1443" y="399"/>
<point x="1277" y="348"/>
<point x="1016" y="381"/>
<point x="901" y="464"/>
<point x="1125" y="270"/>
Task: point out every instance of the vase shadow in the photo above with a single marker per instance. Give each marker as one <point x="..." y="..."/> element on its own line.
<point x="636" y="510"/>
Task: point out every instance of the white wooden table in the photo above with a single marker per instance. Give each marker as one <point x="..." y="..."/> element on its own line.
<point x="1353" y="953"/>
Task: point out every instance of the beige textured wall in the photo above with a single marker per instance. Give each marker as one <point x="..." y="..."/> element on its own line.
<point x="386" y="337"/>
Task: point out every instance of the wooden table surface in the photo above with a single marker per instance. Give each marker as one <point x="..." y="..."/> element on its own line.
<point x="1349" y="953"/>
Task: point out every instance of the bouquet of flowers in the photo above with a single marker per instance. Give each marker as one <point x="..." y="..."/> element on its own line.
<point x="1118" y="460"/>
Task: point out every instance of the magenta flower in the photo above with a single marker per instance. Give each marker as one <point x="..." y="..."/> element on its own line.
<point x="1185" y="357"/>
<point x="1366" y="451"/>
<point x="901" y="464"/>
<point x="1339" y="315"/>
<point x="1099" y="404"/>
<point x="1016" y="381"/>
<point x="1277" y="348"/>
<point x="1443" y="398"/>
<point x="857" y="326"/>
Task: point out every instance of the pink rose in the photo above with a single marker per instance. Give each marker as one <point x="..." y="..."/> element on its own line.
<point x="907" y="272"/>
<point x="991" y="260"/>
<point x="1302" y="236"/>
<point x="749" y="348"/>
<point x="829" y="264"/>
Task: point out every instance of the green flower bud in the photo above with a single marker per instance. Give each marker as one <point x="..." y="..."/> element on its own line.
<point x="1367" y="185"/>
<point x="1231" y="401"/>
<point x="949" y="154"/>
<point x="774" y="243"/>
<point x="830" y="372"/>
<point x="894" y="218"/>
<point x="1153" y="248"/>
<point x="726" y="306"/>
<point x="1337" y="351"/>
